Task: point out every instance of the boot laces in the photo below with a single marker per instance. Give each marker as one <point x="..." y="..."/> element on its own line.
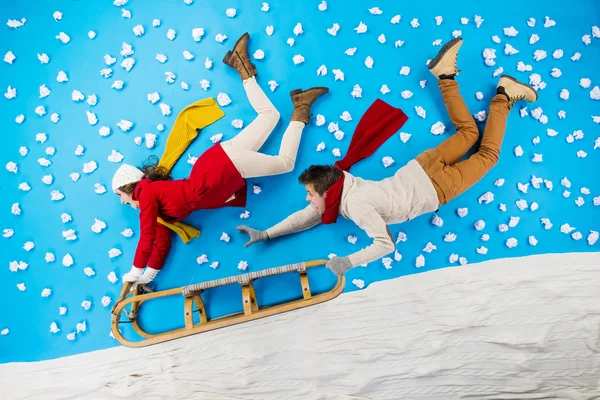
<point x="514" y="99"/>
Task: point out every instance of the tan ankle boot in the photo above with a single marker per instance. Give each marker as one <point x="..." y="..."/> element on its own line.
<point x="444" y="63"/>
<point x="239" y="59"/>
<point x="303" y="101"/>
<point x="516" y="90"/>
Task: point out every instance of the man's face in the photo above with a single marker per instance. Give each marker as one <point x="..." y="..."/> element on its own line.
<point x="315" y="198"/>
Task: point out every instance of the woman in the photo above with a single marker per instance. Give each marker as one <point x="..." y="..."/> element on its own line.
<point x="218" y="176"/>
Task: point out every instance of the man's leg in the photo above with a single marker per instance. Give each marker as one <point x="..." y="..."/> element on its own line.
<point x="252" y="164"/>
<point x="456" y="146"/>
<point x="443" y="66"/>
<point x="257" y="132"/>
<point x="435" y="161"/>
<point x="461" y="176"/>
<point x="456" y="179"/>
<point x="451" y="150"/>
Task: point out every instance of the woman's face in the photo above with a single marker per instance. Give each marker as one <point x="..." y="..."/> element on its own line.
<point x="126" y="199"/>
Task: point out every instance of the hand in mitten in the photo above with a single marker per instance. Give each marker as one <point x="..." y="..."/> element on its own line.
<point x="133" y="275"/>
<point x="255" y="235"/>
<point x="148" y="276"/>
<point x="339" y="265"/>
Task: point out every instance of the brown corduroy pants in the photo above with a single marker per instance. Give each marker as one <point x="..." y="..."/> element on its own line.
<point x="449" y="176"/>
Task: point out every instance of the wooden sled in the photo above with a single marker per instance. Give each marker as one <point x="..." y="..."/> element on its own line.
<point x="192" y="294"/>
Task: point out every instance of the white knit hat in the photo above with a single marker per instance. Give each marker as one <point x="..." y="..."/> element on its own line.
<point x="126" y="174"/>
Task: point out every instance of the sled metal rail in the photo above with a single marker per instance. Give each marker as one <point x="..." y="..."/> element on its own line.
<point x="192" y="295"/>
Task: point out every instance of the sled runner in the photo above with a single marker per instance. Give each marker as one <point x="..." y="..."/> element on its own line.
<point x="192" y="294"/>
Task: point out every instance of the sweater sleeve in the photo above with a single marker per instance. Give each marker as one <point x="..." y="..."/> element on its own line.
<point x="298" y="221"/>
<point x="161" y="248"/>
<point x="148" y="224"/>
<point x="364" y="214"/>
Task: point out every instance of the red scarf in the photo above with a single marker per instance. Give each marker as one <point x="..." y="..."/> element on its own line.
<point x="377" y="125"/>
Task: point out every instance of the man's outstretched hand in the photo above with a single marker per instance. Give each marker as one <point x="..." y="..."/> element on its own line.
<point x="255" y="235"/>
<point x="339" y="265"/>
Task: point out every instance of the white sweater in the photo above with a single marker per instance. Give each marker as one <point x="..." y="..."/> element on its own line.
<point x="372" y="205"/>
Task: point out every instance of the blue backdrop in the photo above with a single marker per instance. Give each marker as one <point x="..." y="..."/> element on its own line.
<point x="28" y="316"/>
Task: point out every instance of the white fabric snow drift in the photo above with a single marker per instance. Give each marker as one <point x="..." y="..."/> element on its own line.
<point x="523" y="328"/>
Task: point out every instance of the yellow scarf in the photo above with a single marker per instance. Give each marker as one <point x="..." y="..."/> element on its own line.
<point x="192" y="118"/>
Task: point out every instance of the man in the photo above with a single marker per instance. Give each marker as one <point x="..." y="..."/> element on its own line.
<point x="432" y="179"/>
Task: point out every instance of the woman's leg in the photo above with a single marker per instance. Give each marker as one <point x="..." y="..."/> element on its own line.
<point x="457" y="145"/>
<point x="256" y="133"/>
<point x="252" y="164"/>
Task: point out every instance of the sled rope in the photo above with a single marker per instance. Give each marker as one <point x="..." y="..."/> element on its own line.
<point x="243" y="279"/>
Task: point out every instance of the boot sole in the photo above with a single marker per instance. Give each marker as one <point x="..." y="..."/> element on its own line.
<point x="436" y="60"/>
<point x="230" y="52"/>
<point x="522" y="84"/>
<point x="227" y="57"/>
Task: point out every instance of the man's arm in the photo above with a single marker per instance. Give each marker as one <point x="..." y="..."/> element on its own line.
<point x="364" y="214"/>
<point x="297" y="222"/>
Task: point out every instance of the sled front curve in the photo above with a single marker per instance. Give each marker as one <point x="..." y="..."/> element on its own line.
<point x="192" y="294"/>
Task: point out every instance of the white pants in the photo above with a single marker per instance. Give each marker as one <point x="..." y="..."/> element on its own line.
<point x="243" y="148"/>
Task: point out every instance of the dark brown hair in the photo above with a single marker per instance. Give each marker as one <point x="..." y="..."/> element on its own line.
<point x="151" y="171"/>
<point x="320" y="176"/>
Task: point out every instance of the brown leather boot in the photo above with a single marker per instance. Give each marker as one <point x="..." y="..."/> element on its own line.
<point x="303" y="101"/>
<point x="239" y="59"/>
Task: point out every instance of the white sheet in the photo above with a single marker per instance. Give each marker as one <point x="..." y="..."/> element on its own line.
<point x="526" y="328"/>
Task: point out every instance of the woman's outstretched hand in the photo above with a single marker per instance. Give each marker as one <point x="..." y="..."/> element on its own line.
<point x="255" y="235"/>
<point x="133" y="275"/>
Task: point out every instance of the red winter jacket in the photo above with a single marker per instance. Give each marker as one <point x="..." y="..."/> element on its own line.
<point x="213" y="180"/>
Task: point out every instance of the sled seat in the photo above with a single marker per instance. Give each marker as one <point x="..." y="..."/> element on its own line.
<point x="243" y="279"/>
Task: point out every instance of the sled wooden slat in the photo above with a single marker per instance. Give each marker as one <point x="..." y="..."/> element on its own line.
<point x="248" y="299"/>
<point x="189" y="314"/>
<point x="305" y="286"/>
<point x="200" y="308"/>
<point x="193" y="296"/>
